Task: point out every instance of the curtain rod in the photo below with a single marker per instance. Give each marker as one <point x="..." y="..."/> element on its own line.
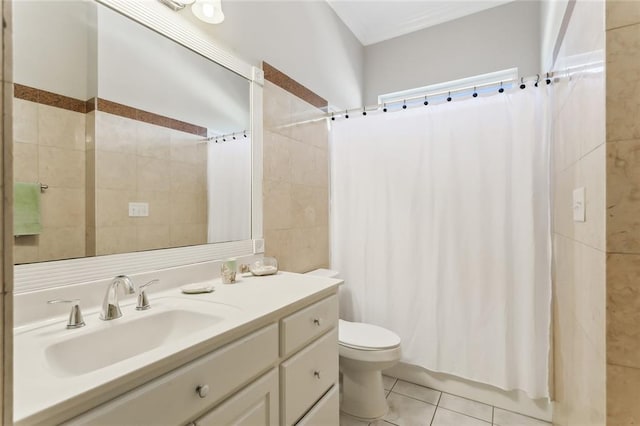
<point x="498" y="83"/>
<point x="224" y="137"/>
<point x="548" y="79"/>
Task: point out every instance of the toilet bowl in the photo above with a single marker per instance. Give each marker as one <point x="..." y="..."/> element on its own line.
<point x="365" y="350"/>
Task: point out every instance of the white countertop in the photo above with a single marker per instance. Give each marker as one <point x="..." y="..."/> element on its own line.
<point x="43" y="395"/>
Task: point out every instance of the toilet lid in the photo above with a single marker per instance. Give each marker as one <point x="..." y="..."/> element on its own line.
<point x="366" y="336"/>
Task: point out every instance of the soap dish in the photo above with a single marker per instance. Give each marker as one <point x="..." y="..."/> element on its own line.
<point x="197" y="288"/>
<point x="264" y="266"/>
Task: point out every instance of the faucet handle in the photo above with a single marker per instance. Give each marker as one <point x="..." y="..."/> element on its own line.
<point x="75" y="316"/>
<point x="143" y="301"/>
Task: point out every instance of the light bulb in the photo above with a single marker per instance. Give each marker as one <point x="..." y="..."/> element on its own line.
<point x="209" y="11"/>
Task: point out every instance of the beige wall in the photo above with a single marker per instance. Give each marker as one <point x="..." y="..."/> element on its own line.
<point x="141" y="162"/>
<point x="296" y="183"/>
<point x="623" y="207"/>
<point x="49" y="147"/>
<point x="6" y="221"/>
<point x="578" y="135"/>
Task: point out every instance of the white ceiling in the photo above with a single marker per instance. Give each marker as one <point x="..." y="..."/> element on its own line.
<point x="374" y="21"/>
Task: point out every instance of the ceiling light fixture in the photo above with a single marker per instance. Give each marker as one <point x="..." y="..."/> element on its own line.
<point x="209" y="11"/>
<point x="176" y="4"/>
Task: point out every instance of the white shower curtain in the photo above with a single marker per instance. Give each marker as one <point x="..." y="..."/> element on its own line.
<point x="440" y="228"/>
<point x="229" y="190"/>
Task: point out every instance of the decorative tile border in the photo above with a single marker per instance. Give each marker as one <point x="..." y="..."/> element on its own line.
<point x="290" y="85"/>
<point x="65" y="102"/>
<point x="149" y="117"/>
<point x="49" y="98"/>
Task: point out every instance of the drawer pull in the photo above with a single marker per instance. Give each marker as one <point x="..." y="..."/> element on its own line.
<point x="316" y="374"/>
<point x="316" y="321"/>
<point x="202" y="391"/>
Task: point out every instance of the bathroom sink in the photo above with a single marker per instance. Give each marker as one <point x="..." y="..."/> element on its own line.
<point x="110" y="342"/>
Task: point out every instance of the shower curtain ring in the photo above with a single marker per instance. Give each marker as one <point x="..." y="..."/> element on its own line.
<point x="384" y="107"/>
<point x="537" y="80"/>
<point x="364" y="110"/>
<point x="501" y="89"/>
<point x="522" y="85"/>
<point x="426" y="102"/>
<point x="346" y="113"/>
<point x="404" y="104"/>
<point x="548" y="79"/>
<point x="475" y="93"/>
<point x="449" y="97"/>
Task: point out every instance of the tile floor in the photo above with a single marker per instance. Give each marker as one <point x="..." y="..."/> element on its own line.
<point x="413" y="405"/>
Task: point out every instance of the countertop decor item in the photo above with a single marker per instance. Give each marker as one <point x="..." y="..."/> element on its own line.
<point x="264" y="266"/>
<point x="228" y="271"/>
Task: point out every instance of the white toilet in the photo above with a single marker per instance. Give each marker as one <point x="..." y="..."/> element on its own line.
<point x="365" y="350"/>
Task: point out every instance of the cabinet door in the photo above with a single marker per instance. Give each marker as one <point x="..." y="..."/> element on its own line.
<point x="255" y="405"/>
<point x="326" y="412"/>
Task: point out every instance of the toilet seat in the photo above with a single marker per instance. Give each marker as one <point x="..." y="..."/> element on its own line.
<point x="366" y="337"/>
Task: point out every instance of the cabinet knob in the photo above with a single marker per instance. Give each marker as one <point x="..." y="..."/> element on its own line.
<point x="316" y="374"/>
<point x="316" y="321"/>
<point x="202" y="391"/>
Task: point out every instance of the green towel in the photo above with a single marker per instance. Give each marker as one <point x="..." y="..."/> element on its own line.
<point x="26" y="209"/>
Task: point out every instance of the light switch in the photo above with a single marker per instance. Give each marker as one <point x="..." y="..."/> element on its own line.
<point x="578" y="205"/>
<point x="258" y="245"/>
<point x="138" y="209"/>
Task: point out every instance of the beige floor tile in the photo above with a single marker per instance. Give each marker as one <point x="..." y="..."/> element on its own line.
<point x="444" y="417"/>
<point x="388" y="382"/>
<point x="466" y="407"/>
<point x="417" y="392"/>
<point x="405" y="411"/>
<point x="508" y="418"/>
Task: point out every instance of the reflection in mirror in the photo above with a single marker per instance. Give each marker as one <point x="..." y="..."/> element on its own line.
<point x="141" y="143"/>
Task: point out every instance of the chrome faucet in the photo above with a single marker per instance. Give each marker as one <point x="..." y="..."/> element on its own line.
<point x="110" y="308"/>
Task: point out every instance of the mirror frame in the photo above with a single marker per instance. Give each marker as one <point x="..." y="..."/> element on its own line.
<point x="154" y="15"/>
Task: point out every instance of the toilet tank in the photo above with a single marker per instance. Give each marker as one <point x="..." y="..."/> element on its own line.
<point x="329" y="273"/>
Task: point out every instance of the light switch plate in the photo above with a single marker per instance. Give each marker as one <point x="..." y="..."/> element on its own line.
<point x="258" y="246"/>
<point x="579" y="205"/>
<point x="138" y="209"/>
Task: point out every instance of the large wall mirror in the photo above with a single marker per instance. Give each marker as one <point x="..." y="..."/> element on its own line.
<point x="124" y="140"/>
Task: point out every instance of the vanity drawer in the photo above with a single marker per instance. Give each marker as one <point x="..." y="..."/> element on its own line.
<point x="306" y="376"/>
<point x="325" y="412"/>
<point x="173" y="399"/>
<point x="305" y="325"/>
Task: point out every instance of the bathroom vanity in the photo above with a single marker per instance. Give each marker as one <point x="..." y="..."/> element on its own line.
<point x="261" y="351"/>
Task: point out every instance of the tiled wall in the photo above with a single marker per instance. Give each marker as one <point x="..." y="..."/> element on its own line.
<point x="95" y="163"/>
<point x="49" y="148"/>
<point x="142" y="162"/>
<point x="579" y="153"/>
<point x="296" y="182"/>
<point x="623" y="208"/>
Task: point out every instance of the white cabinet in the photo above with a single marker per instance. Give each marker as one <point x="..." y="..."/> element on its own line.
<point x="326" y="412"/>
<point x="177" y="397"/>
<point x="282" y="374"/>
<point x="306" y="376"/>
<point x="308" y="324"/>
<point x="257" y="404"/>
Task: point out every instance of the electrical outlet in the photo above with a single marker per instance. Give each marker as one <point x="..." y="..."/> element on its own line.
<point x="138" y="209"/>
<point x="579" y="205"/>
